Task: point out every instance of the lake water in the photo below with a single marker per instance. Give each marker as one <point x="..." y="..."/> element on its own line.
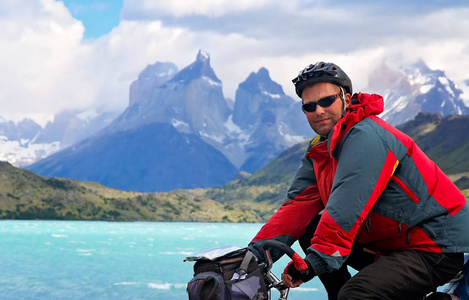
<point x="103" y="260"/>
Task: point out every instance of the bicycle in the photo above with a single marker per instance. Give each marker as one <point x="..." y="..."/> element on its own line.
<point x="225" y="257"/>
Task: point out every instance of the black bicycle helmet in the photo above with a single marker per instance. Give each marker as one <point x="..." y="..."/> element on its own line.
<point x="322" y="72"/>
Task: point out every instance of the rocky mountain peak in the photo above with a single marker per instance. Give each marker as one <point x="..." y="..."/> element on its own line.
<point x="261" y="83"/>
<point x="203" y="57"/>
<point x="152" y="77"/>
<point x="198" y="69"/>
<point x="415" y="88"/>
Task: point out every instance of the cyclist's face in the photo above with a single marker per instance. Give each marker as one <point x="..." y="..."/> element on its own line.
<point x="323" y="119"/>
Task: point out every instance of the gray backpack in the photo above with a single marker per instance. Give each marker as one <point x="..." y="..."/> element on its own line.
<point x="226" y="273"/>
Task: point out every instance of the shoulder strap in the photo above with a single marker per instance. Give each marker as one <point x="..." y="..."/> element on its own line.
<point x="246" y="260"/>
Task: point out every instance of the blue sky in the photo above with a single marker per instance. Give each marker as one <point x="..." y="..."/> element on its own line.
<point x="98" y="17"/>
<point x="84" y="54"/>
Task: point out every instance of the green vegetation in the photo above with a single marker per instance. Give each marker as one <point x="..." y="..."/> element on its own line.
<point x="445" y="140"/>
<point x="25" y="195"/>
<point x="463" y="182"/>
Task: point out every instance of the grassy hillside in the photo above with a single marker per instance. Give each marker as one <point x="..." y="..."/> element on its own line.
<point x="445" y="140"/>
<point x="25" y="195"/>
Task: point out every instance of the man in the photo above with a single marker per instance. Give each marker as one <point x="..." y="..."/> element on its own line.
<point x="365" y="195"/>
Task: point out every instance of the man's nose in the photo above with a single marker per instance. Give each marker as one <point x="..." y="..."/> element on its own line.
<point x="320" y="110"/>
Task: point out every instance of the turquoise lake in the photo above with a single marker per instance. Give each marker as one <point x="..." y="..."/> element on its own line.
<point x="104" y="260"/>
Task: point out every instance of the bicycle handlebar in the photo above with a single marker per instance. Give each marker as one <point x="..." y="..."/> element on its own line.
<point x="298" y="261"/>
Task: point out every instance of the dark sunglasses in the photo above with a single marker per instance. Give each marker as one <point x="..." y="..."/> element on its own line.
<point x="323" y="102"/>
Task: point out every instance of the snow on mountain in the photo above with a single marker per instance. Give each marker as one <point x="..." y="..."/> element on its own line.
<point x="413" y="89"/>
<point x="17" y="142"/>
<point x="26" y="142"/>
<point x="21" y="153"/>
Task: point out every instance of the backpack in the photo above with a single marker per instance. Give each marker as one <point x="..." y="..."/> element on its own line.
<point x="226" y="273"/>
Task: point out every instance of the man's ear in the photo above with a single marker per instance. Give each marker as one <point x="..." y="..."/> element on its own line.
<point x="348" y="100"/>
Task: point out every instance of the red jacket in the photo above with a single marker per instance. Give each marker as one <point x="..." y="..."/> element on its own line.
<point x="376" y="187"/>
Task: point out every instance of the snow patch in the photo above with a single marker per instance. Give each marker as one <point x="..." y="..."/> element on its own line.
<point x="204" y="54"/>
<point x="465" y="93"/>
<point x="232" y="127"/>
<point x="418" y="79"/>
<point x="218" y="139"/>
<point x="290" y="139"/>
<point x="210" y="81"/>
<point x="179" y="124"/>
<point x="275" y="96"/>
<point x="425" y="88"/>
<point x="445" y="82"/>
<point x="23" y="153"/>
<point x="399" y="104"/>
<point x="165" y="74"/>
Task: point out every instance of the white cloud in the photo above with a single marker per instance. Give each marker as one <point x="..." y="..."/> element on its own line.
<point x="179" y="8"/>
<point x="46" y="66"/>
<point x="40" y="45"/>
<point x="121" y="55"/>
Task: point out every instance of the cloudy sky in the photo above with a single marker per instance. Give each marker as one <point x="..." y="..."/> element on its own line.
<point x="83" y="54"/>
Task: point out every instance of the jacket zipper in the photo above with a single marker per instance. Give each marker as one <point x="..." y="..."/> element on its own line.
<point x="408" y="233"/>
<point x="368" y="224"/>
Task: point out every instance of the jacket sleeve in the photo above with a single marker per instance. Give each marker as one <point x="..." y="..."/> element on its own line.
<point x="365" y="165"/>
<point x="290" y="221"/>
